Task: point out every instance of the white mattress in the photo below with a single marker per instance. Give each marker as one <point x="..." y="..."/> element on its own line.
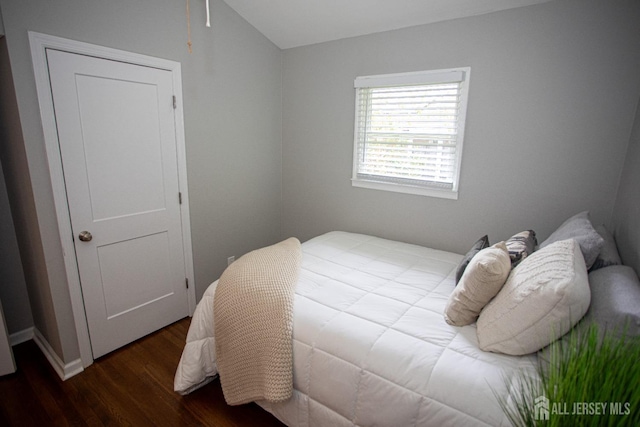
<point x="370" y="343"/>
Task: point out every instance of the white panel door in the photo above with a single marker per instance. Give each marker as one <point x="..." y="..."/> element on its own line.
<point x="116" y="132"/>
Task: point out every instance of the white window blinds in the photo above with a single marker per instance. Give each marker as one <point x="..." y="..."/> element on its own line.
<point x="408" y="130"/>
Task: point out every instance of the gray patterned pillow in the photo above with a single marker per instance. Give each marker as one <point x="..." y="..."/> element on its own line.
<point x="521" y="245"/>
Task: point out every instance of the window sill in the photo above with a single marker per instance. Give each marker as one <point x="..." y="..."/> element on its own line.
<point x="406" y="189"/>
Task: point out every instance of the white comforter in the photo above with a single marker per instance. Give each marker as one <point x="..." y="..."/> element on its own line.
<point x="370" y="343"/>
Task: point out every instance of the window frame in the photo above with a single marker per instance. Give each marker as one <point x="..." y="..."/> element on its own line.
<point x="431" y="189"/>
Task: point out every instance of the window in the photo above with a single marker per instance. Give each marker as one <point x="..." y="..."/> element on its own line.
<point x="409" y="130"/>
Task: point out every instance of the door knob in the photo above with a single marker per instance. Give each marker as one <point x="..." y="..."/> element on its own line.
<point x="85" y="236"/>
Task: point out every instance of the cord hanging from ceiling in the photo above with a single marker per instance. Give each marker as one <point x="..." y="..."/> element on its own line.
<point x="189" y="28"/>
<point x="208" y="24"/>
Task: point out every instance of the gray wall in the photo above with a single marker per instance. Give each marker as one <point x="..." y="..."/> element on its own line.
<point x="232" y="105"/>
<point x="14" y="295"/>
<point x="13" y="287"/>
<point x="627" y="209"/>
<point x="552" y="95"/>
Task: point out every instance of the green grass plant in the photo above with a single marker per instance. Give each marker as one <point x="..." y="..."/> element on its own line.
<point x="589" y="379"/>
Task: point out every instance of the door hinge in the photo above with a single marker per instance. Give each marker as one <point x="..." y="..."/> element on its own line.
<point x="180" y="197"/>
<point x="175" y="102"/>
<point x="186" y="282"/>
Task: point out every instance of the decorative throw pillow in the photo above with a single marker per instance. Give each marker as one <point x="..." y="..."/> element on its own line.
<point x="615" y="305"/>
<point x="521" y="245"/>
<point x="579" y="227"/>
<point x="479" y="245"/>
<point x="543" y="298"/>
<point x="481" y="281"/>
<point x="608" y="253"/>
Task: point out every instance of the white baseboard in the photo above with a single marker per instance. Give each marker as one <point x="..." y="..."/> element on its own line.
<point x="21" y="336"/>
<point x="64" y="371"/>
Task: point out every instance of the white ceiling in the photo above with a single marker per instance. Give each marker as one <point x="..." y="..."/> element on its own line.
<point x="292" y="23"/>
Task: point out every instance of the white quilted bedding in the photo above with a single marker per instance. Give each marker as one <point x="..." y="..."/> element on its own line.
<point x="370" y="343"/>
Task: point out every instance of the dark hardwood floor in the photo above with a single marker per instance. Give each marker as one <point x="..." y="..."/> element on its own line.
<point x="132" y="386"/>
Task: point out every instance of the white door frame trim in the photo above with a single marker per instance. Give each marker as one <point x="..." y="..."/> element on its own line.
<point x="39" y="43"/>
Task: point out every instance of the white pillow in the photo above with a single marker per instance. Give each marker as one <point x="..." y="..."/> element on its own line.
<point x="481" y="281"/>
<point x="543" y="298"/>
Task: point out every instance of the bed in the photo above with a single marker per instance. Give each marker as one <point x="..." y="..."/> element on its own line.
<point x="372" y="332"/>
<point x="370" y="343"/>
